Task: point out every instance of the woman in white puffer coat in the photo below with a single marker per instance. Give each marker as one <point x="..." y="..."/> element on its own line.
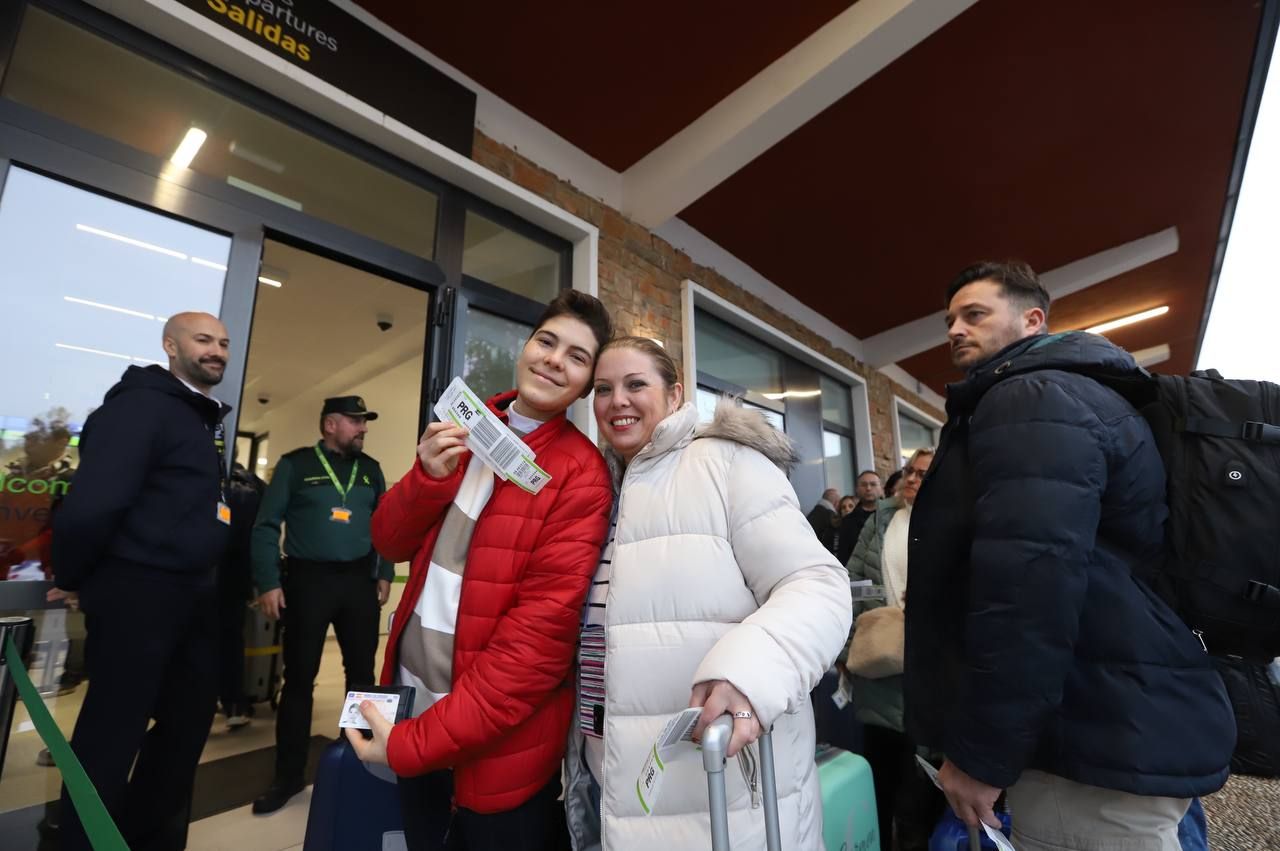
<point x="713" y="591"/>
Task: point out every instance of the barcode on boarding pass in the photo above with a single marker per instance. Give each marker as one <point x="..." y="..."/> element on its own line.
<point x="499" y="448"/>
<point x="528" y="473"/>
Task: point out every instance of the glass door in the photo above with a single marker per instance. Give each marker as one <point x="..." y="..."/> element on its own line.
<point x="89" y="282"/>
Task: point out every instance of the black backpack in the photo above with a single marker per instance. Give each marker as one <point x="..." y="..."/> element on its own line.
<point x="1220" y="441"/>
<point x="1255" y="698"/>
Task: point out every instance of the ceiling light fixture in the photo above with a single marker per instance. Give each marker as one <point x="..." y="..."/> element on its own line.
<point x="128" y="240"/>
<point x="1128" y="320"/>
<point x="1152" y="356"/>
<point x="92" y="351"/>
<point x="106" y="354"/>
<point x="99" y="304"/>
<point x="255" y="189"/>
<point x="271" y="282"/>
<point x="199" y="261"/>
<point x="188" y="147"/>
<point x="792" y="394"/>
<point x="251" y="156"/>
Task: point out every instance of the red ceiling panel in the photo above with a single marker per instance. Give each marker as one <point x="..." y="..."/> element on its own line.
<point x="615" y="79"/>
<point x="1045" y="131"/>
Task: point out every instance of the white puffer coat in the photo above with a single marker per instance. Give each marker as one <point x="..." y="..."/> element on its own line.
<point x="716" y="575"/>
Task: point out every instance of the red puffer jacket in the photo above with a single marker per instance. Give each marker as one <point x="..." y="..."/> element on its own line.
<point x="504" y="725"/>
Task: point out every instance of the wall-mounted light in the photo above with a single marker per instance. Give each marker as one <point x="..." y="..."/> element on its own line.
<point x="188" y="147"/>
<point x="1128" y="320"/>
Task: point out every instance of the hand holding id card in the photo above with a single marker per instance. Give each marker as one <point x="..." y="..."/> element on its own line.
<point x="392" y="702"/>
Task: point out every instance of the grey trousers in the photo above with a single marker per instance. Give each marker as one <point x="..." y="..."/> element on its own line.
<point x="1052" y="813"/>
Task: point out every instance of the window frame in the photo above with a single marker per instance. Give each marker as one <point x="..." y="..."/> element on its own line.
<point x="694" y="297"/>
<point x="921" y="417"/>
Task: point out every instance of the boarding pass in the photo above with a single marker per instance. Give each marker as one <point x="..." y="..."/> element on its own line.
<point x="994" y="835"/>
<point x="490" y="440"/>
<point x="664" y="750"/>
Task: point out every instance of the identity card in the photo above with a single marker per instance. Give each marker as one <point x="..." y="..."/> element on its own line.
<point x="387" y="705"/>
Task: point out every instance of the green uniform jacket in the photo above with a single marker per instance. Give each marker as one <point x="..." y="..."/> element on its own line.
<point x="302" y="497"/>
<point x="879" y="701"/>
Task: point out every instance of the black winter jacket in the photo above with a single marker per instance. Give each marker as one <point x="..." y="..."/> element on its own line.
<point x="1030" y="643"/>
<point x="147" y="489"/>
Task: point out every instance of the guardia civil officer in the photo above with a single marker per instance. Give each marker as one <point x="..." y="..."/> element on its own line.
<point x="324" y="495"/>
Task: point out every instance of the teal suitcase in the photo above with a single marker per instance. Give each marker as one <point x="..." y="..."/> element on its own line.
<point x="849" y="820"/>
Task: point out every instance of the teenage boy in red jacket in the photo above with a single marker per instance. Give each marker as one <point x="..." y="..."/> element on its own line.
<point x="487" y="629"/>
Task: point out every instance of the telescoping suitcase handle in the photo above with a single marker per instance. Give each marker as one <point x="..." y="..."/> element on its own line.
<point x="715" y="742"/>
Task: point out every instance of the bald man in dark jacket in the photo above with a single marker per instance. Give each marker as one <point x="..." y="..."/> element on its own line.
<point x="138" y="538"/>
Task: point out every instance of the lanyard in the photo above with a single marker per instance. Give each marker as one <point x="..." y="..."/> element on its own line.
<point x="342" y="492"/>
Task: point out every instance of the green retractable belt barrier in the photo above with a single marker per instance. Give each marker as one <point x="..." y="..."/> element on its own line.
<point x="98" y="826"/>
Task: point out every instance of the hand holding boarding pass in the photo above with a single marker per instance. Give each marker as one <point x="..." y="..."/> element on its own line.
<point x="971" y="800"/>
<point x="477" y="429"/>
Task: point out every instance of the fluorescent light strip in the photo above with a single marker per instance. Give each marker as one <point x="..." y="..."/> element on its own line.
<point x="255" y="189"/>
<point x="97" y="304"/>
<point x="108" y="354"/>
<point x="131" y="241"/>
<point x="792" y="394"/>
<point x="271" y="282"/>
<point x="93" y="351"/>
<point x="256" y="158"/>
<point x="1152" y="356"/>
<point x="202" y="262"/>
<point x="1128" y="320"/>
<point x="188" y="147"/>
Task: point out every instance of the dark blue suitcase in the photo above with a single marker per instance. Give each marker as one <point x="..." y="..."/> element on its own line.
<point x="833" y="726"/>
<point x="354" y="807"/>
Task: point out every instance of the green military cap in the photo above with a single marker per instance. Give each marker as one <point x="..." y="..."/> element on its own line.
<point x="352" y="406"/>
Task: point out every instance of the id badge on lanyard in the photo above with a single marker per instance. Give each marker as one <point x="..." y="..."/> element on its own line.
<point x="339" y="513"/>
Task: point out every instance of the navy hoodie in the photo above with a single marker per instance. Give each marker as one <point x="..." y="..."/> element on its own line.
<point x="147" y="488"/>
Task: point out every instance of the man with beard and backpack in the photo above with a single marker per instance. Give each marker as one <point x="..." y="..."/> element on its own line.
<point x="1038" y="658"/>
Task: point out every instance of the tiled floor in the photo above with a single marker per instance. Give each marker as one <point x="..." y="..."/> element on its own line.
<point x="241" y="830"/>
<point x="26" y="784"/>
<point x="1245" y="816"/>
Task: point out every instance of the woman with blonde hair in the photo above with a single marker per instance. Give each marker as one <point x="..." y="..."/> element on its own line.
<point x="712" y="591"/>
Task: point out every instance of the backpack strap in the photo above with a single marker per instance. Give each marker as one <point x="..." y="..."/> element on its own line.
<point x="1262" y="593"/>
<point x="1249" y="430"/>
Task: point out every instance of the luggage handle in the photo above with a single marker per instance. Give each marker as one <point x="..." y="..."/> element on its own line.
<point x="715" y="742"/>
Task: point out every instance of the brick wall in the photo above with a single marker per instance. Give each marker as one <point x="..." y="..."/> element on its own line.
<point x="640" y="276"/>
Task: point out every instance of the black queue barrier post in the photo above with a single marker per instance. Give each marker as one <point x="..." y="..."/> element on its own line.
<point x="22" y="631"/>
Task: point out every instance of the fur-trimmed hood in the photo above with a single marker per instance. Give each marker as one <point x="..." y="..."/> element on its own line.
<point x="732" y="423"/>
<point x="750" y="428"/>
